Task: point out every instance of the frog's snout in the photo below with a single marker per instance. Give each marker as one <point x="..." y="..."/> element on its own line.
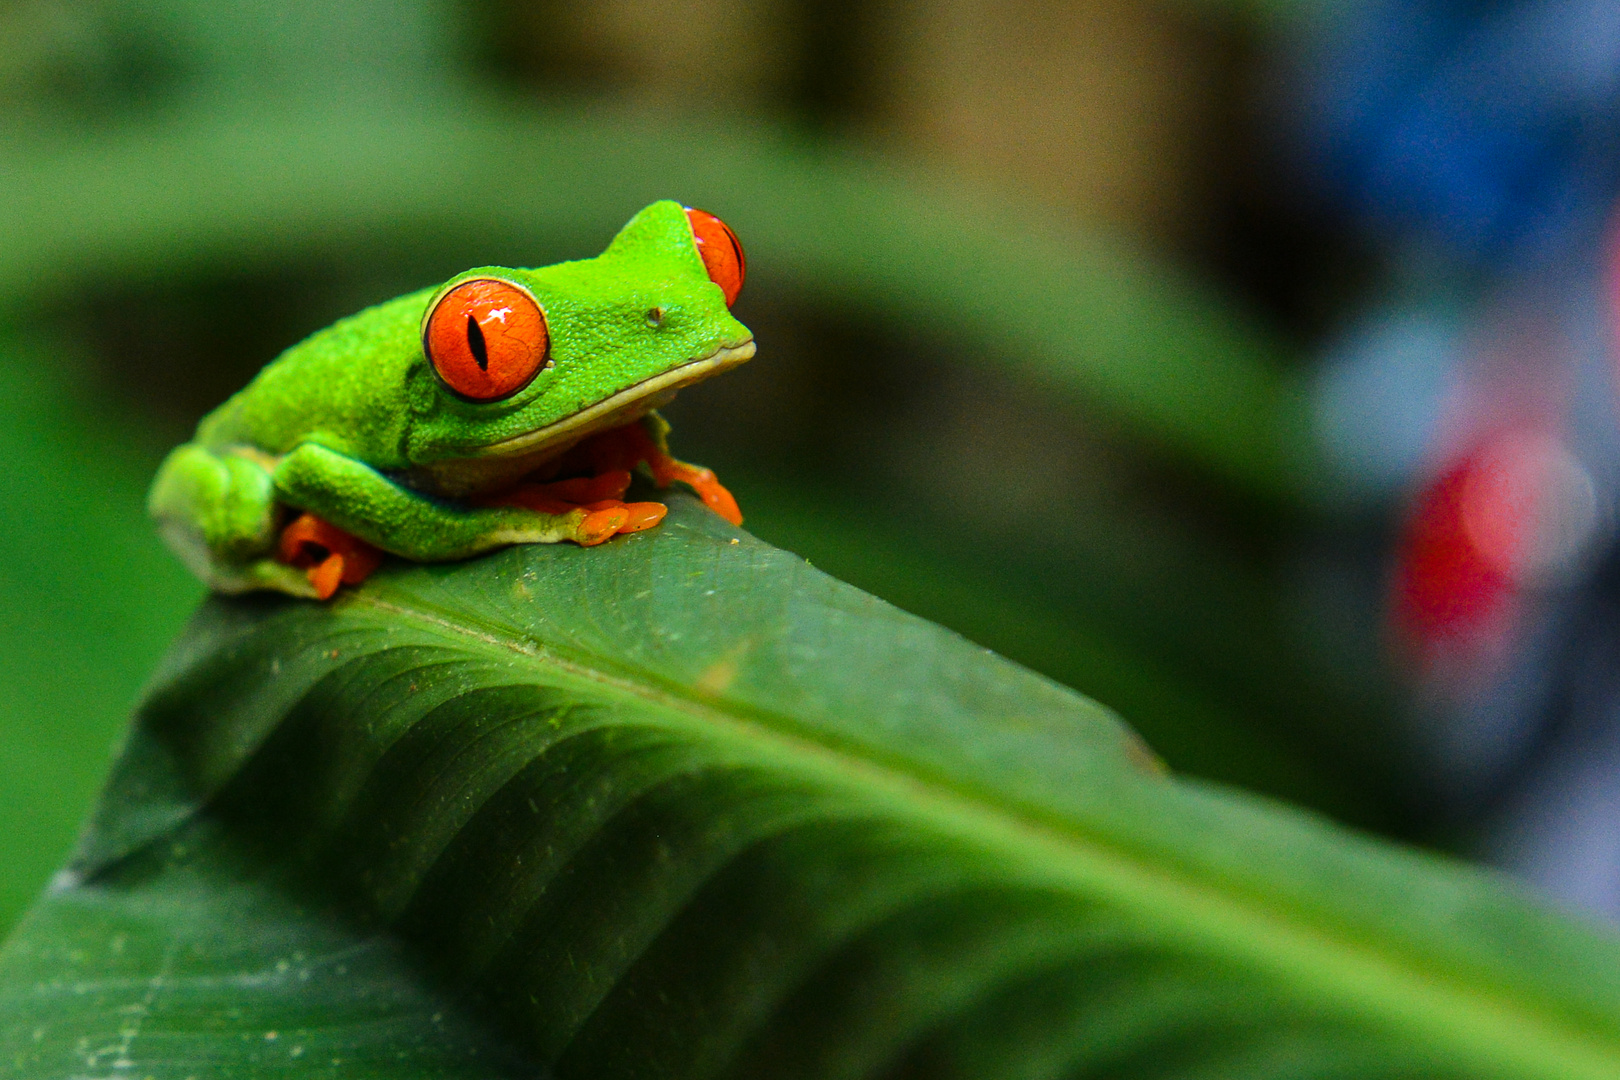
<point x="728" y="356"/>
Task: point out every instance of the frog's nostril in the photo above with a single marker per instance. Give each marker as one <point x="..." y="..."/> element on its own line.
<point x="655" y="317"/>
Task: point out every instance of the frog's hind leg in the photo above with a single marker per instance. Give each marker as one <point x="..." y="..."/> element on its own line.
<point x="327" y="555"/>
<point x="218" y="513"/>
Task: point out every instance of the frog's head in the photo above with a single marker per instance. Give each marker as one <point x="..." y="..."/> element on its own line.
<point x="520" y="364"/>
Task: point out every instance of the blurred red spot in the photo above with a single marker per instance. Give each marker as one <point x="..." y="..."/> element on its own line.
<point x="1444" y="586"/>
<point x="1509" y="515"/>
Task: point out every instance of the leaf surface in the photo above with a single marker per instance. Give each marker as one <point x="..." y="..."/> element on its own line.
<point x="683" y="806"/>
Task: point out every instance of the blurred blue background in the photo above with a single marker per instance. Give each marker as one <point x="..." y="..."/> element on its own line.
<point x="1247" y="366"/>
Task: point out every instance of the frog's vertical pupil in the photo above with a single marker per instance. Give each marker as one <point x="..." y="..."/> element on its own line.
<point x="475" y="342"/>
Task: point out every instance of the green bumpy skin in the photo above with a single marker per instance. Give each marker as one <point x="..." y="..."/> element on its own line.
<point x="354" y="425"/>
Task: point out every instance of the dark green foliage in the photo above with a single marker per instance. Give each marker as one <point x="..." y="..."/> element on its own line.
<point x="683" y="806"/>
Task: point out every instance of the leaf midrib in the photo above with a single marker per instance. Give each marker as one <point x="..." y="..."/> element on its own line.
<point x="1503" y="1035"/>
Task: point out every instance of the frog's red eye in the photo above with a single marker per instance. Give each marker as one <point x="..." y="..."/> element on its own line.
<point x="722" y="254"/>
<point x="486" y="338"/>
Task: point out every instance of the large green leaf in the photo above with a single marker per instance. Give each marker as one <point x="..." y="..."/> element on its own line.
<point x="683" y="806"/>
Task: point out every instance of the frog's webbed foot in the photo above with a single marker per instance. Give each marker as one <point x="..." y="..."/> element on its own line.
<point x="327" y="555"/>
<point x="641" y="443"/>
<point x="595" y="502"/>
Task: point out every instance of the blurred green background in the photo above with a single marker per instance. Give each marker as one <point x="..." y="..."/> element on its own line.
<point x="1032" y="316"/>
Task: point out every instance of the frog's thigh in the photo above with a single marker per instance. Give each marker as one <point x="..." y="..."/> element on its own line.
<point x="358" y="499"/>
<point x="218" y="503"/>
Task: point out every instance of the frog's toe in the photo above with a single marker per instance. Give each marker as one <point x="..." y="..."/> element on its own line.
<point x="326" y="576"/>
<point x="629" y="517"/>
<point x="603" y="524"/>
<point x="643" y="515"/>
<point x="708" y="487"/>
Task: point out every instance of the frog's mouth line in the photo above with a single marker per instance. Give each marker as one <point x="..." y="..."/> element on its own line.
<point x="627" y="405"/>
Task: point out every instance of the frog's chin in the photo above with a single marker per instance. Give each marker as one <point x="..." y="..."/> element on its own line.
<point x="503" y="462"/>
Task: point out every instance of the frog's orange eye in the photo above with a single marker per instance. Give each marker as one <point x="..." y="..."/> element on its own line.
<point x="487" y="338"/>
<point x="722" y="254"/>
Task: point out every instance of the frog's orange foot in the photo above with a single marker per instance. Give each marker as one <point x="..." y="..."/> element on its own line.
<point x="328" y="556"/>
<point x="608" y="518"/>
<point x="600" y="497"/>
<point x="617" y="451"/>
<point x="637" y="515"/>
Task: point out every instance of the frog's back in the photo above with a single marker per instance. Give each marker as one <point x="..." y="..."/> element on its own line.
<point x="344" y="386"/>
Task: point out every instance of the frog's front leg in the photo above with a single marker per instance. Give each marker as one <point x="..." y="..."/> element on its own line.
<point x="363" y="502"/>
<point x="646" y="442"/>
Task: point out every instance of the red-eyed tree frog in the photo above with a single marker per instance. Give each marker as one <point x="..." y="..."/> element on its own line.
<point x="503" y="407"/>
